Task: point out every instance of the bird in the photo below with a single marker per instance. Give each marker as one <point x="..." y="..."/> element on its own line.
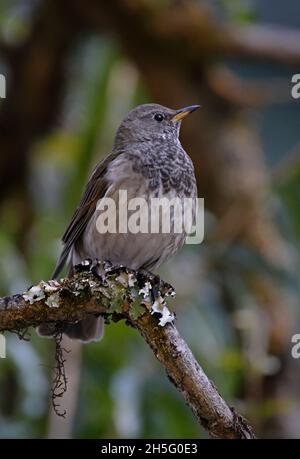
<point x="148" y="161"/>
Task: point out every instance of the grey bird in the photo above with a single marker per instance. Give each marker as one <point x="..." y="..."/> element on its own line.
<point x="147" y="161"/>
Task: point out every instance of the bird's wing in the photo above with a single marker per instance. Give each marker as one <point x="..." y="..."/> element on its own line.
<point x="95" y="190"/>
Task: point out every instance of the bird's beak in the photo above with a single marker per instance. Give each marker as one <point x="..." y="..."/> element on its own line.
<point x="183" y="112"/>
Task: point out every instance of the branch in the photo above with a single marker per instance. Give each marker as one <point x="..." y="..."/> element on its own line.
<point x="242" y="93"/>
<point x="120" y="293"/>
<point x="188" y="32"/>
<point x="273" y="43"/>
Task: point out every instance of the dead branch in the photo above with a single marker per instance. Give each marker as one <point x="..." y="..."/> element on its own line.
<point x="124" y="294"/>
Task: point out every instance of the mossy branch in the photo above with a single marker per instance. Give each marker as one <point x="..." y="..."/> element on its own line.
<point x="119" y="293"/>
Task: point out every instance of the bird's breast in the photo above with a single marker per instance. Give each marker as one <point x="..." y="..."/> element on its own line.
<point x="130" y="225"/>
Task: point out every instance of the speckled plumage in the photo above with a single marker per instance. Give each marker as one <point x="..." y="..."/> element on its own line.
<point x="147" y="161"/>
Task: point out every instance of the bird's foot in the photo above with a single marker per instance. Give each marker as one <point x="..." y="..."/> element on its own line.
<point x="145" y="279"/>
<point x="149" y="280"/>
<point x="89" y="265"/>
<point x="151" y="287"/>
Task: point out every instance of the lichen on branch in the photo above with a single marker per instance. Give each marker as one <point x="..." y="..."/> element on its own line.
<point x="139" y="297"/>
<point x="96" y="288"/>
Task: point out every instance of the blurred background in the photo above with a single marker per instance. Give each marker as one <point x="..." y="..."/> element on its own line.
<point x="73" y="70"/>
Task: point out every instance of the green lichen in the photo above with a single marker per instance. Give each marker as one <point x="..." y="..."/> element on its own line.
<point x="136" y="309"/>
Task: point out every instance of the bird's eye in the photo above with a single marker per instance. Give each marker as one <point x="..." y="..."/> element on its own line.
<point x="159" y="117"/>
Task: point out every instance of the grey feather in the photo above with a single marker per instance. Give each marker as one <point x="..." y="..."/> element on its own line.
<point x="147" y="161"/>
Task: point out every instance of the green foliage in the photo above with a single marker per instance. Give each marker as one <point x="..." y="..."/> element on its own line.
<point x="240" y="11"/>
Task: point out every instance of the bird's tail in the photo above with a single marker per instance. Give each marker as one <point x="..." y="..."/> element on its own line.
<point x="87" y="330"/>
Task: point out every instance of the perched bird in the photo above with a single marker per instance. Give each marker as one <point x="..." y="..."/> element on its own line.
<point x="147" y="161"/>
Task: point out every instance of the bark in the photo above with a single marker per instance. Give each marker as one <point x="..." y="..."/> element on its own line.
<point x="120" y="295"/>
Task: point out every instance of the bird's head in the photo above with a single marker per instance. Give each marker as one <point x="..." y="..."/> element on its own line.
<point x="151" y="122"/>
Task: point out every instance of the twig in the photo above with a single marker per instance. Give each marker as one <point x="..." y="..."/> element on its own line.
<point x="59" y="387"/>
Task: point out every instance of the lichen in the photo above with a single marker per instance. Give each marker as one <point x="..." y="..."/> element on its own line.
<point x="127" y="279"/>
<point x="145" y="290"/>
<point x="122" y="278"/>
<point x="53" y="300"/>
<point x="35" y="293"/>
<point x="116" y="304"/>
<point x="136" y="309"/>
<point x="113" y="286"/>
<point x="159" y="306"/>
<point x="51" y="286"/>
<point x="41" y="291"/>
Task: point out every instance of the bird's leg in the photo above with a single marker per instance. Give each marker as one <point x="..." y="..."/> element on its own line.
<point x="85" y="265"/>
<point x="143" y="276"/>
<point x="157" y="287"/>
<point x="114" y="269"/>
<point x="95" y="266"/>
<point x="89" y="265"/>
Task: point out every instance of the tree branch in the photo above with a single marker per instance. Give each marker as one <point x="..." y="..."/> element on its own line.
<point x="272" y="43"/>
<point x="188" y="32"/>
<point x="119" y="293"/>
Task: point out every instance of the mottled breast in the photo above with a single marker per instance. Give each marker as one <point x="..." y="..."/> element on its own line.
<point x="146" y="178"/>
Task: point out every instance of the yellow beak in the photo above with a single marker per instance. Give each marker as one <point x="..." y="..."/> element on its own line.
<point x="183" y="112"/>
